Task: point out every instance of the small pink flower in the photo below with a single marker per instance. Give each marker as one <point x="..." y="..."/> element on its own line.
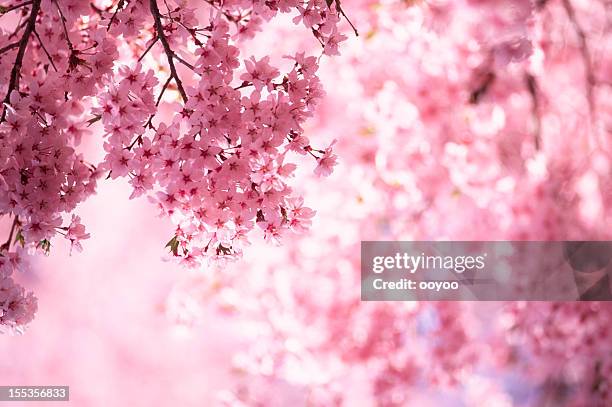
<point x="76" y="233"/>
<point x="326" y="163"/>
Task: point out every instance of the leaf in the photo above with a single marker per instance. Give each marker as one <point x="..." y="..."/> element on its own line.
<point x="19" y="238"/>
<point x="225" y="250"/>
<point x="173" y="244"/>
<point x="45" y="245"/>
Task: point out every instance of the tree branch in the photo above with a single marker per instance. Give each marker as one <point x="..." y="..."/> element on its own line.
<point x="187" y="64"/>
<point x="114" y="16"/>
<point x="9" y="47"/>
<point x="159" y="28"/>
<point x="8" y="9"/>
<point x="146" y="51"/>
<point x="7" y="245"/>
<point x="23" y="44"/>
<point x="42" y="45"/>
<point x="532" y="87"/>
<point x="63" y="20"/>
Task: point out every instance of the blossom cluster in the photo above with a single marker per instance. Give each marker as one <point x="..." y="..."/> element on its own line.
<point x="17" y="308"/>
<point x="217" y="166"/>
<point x="216" y="160"/>
<point x="46" y="76"/>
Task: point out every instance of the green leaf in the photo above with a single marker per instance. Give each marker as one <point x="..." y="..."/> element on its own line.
<point x="45" y="245"/>
<point x="19" y="238"/>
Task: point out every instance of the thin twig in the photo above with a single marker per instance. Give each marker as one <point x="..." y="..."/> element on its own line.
<point x="342" y="13"/>
<point x="18" y="27"/>
<point x="182" y="61"/>
<point x="532" y="87"/>
<point x="133" y="143"/>
<point x="45" y="50"/>
<point x="243" y="85"/>
<point x="114" y="16"/>
<point x="63" y="19"/>
<point x="7" y="245"/>
<point x="159" y="28"/>
<point x="9" y="47"/>
<point x="148" y="48"/>
<point x="159" y="98"/>
<point x="15" y="7"/>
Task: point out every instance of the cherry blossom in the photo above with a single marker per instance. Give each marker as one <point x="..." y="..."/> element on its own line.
<point x="466" y="120"/>
<point x="185" y="117"/>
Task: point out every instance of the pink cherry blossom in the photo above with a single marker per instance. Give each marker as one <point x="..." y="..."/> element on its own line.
<point x="326" y="163"/>
<point x="467" y="120"/>
<point x="76" y="233"/>
<point x="181" y="118"/>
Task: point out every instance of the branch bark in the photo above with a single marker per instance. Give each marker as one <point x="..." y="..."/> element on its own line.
<point x="532" y="87"/>
<point x="4" y="10"/>
<point x="159" y="28"/>
<point x="7" y="245"/>
<point x="23" y="44"/>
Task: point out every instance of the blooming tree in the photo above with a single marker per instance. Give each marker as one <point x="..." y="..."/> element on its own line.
<point x="462" y="119"/>
<point x="206" y="136"/>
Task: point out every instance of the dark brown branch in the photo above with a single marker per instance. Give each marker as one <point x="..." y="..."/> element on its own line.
<point x="9" y="47"/>
<point x="63" y="19"/>
<point x="23" y="44"/>
<point x="18" y="28"/>
<point x="146" y="51"/>
<point x="182" y="61"/>
<point x="532" y="87"/>
<point x="192" y="32"/>
<point x="161" y="94"/>
<point x="8" y="9"/>
<point x="243" y="85"/>
<point x="7" y="245"/>
<point x="42" y="45"/>
<point x="343" y="14"/>
<point x="584" y="50"/>
<point x="114" y="16"/>
<point x="159" y="28"/>
<point x="133" y="143"/>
